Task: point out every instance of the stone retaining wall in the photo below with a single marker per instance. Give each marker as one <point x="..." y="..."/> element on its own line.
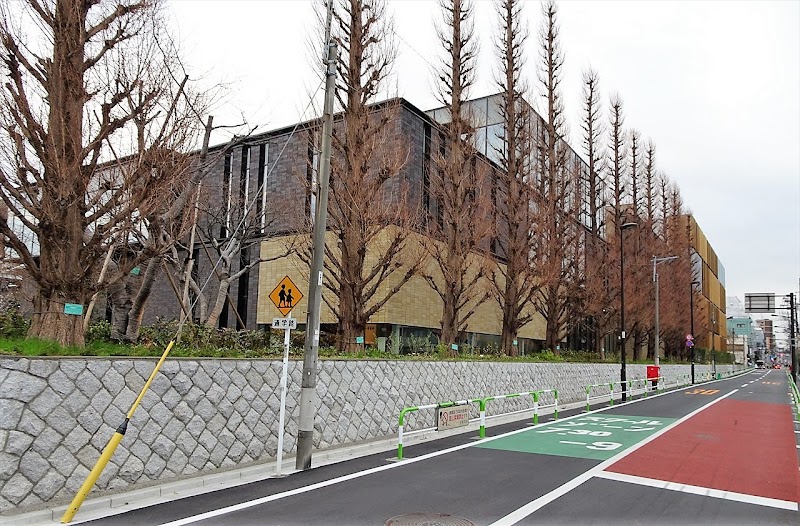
<point x="57" y="415"/>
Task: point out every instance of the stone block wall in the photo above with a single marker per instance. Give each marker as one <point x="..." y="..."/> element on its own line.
<point x="57" y="414"/>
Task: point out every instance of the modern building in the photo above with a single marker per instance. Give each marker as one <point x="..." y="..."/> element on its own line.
<point x="707" y="269"/>
<point x="271" y="176"/>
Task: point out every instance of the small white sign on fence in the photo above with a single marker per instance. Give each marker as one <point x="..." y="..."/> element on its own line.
<point x="452" y="417"/>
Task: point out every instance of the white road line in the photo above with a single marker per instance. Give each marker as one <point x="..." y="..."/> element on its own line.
<point x="344" y="478"/>
<point x="318" y="485"/>
<point x="520" y="513"/>
<point x="698" y="490"/>
<point x="745" y="385"/>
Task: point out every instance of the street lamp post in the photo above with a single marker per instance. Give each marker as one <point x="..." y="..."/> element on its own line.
<point x="656" y="261"/>
<point x="713" y="344"/>
<point x="622" y="373"/>
<point x="691" y="321"/>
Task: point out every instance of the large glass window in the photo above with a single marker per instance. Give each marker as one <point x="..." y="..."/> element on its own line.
<point x="494" y="142"/>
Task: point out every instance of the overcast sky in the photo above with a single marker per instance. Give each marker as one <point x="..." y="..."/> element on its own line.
<point x="715" y="85"/>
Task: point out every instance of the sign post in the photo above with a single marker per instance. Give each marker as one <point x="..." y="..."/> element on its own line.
<point x="284" y="296"/>
<point x="284" y="382"/>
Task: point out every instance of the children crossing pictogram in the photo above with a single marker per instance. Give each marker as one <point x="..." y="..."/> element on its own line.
<point x="286" y="296"/>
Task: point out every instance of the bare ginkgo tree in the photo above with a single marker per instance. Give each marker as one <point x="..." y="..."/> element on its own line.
<point x="369" y="213"/>
<point x="676" y="278"/>
<point x="87" y="83"/>
<point x="598" y="273"/>
<point x="459" y="223"/>
<point x="555" y="225"/>
<point x="514" y="283"/>
<point x="617" y="154"/>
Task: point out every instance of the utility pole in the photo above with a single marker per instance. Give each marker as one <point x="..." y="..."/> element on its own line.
<point x="691" y="322"/>
<point x="792" y="339"/>
<point x="308" y="394"/>
<point x="623" y="380"/>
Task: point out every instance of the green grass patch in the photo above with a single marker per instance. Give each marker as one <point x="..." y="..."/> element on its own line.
<point x="204" y="342"/>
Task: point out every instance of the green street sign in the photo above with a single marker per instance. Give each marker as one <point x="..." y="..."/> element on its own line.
<point x="73" y="309"/>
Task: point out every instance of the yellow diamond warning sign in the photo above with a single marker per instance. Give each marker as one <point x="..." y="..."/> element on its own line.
<point x="286" y="295"/>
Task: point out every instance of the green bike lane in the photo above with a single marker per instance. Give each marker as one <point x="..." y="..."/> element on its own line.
<point x="730" y="461"/>
<point x="552" y="473"/>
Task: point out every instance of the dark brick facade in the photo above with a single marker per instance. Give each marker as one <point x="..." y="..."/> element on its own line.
<point x="283" y="160"/>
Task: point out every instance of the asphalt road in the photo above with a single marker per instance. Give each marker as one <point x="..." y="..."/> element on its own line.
<point x="719" y="453"/>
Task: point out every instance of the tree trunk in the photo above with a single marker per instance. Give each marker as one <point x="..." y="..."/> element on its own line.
<point x="215" y="312"/>
<point x="137" y="307"/>
<point x="120" y="299"/>
<point x="509" y="330"/>
<point x="350" y="329"/>
<point x="51" y="323"/>
<point x="553" y="330"/>
<point x="598" y="342"/>
<point x="449" y="319"/>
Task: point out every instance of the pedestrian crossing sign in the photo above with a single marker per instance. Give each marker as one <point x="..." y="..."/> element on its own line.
<point x="286" y="295"/>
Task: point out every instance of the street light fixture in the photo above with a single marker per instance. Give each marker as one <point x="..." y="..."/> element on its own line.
<point x="691" y="320"/>
<point x="656" y="261"/>
<point x="622" y="373"/>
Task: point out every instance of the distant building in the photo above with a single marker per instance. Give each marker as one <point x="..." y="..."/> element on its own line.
<point x="769" y="336"/>
<point x="740" y="331"/>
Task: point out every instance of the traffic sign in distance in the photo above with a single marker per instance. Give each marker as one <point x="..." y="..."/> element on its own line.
<point x="286" y="295"/>
<point x="284" y="323"/>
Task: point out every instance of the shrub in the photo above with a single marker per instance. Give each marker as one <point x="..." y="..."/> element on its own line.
<point x="12" y="323"/>
<point x="99" y="331"/>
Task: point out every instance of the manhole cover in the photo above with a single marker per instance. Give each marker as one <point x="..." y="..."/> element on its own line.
<point x="428" y="519"/>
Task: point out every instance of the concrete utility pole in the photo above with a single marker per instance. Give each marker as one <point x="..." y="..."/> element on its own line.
<point x="792" y="336"/>
<point x="308" y="394"/>
<point x="656" y="261"/>
<point x="623" y="380"/>
<point x="691" y="323"/>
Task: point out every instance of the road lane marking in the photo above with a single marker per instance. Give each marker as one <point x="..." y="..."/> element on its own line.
<point x="377" y="469"/>
<point x="526" y="510"/>
<point x="603" y="437"/>
<point x="697" y="490"/>
<point x="351" y="476"/>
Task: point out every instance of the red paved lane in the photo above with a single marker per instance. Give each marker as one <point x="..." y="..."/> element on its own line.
<point x="741" y="446"/>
